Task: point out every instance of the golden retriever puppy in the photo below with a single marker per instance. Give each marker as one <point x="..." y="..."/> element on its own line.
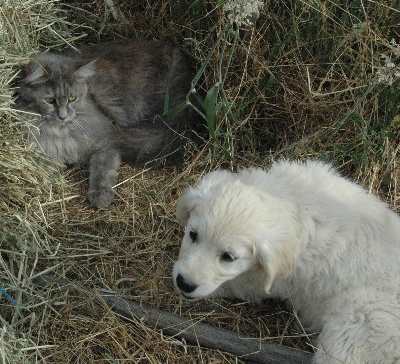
<point x="303" y="233"/>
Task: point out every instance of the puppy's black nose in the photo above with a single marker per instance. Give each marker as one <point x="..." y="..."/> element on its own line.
<point x="185" y="286"/>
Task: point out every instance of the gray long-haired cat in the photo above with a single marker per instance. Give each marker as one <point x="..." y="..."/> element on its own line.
<point x="105" y="105"/>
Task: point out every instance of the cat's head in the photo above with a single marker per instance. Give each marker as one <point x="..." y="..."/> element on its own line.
<point x="53" y="84"/>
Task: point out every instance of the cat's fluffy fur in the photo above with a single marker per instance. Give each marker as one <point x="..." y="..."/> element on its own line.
<point x="303" y="233"/>
<point x="105" y="104"/>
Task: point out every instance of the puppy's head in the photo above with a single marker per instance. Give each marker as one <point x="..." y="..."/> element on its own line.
<point x="231" y="228"/>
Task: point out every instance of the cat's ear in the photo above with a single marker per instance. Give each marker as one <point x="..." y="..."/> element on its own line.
<point x="86" y="71"/>
<point x="33" y="71"/>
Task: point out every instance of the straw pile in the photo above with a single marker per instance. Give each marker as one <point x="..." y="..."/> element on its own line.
<point x="309" y="79"/>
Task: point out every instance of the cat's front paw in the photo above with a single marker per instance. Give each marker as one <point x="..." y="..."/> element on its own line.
<point x="100" y="198"/>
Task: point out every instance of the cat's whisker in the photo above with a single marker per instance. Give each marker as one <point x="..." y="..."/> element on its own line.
<point x="80" y="126"/>
<point x="41" y="127"/>
<point x="88" y="132"/>
<point x="82" y="113"/>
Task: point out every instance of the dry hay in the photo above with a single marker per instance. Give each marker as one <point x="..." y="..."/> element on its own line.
<point x="281" y="97"/>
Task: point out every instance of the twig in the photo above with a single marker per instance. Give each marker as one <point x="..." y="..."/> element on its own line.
<point x="191" y="331"/>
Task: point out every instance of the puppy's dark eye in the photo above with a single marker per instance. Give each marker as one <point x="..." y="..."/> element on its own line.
<point x="193" y="235"/>
<point x="227" y="257"/>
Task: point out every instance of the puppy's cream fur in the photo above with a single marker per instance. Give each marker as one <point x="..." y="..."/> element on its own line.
<point x="299" y="232"/>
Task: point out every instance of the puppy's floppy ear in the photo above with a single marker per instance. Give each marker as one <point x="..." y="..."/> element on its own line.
<point x="278" y="244"/>
<point x="204" y="189"/>
<point x="278" y="259"/>
<point x="186" y="203"/>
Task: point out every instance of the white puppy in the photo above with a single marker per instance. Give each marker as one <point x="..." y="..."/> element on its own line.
<point x="299" y="232"/>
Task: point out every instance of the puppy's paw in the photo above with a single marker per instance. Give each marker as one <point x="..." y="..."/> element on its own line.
<point x="100" y="198"/>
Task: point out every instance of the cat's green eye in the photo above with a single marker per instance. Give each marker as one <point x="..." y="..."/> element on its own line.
<point x="71" y="98"/>
<point x="50" y="100"/>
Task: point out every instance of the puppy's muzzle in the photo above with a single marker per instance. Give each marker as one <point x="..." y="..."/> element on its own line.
<point x="185" y="286"/>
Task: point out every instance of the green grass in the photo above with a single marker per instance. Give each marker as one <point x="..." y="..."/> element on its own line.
<point x="311" y="70"/>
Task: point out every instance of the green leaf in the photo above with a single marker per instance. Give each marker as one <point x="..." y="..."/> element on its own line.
<point x="210" y="108"/>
